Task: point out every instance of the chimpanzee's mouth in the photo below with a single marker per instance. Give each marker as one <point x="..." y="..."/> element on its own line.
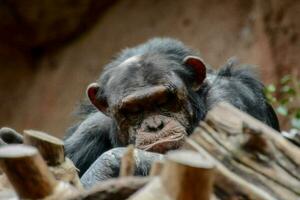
<point x="169" y="138"/>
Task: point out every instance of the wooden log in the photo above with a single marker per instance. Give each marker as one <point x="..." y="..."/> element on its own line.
<point x="152" y="191"/>
<point x="228" y="185"/>
<point x="156" y="168"/>
<point x="128" y="162"/>
<point x="67" y="172"/>
<point x="186" y="175"/>
<point x="27" y="171"/>
<point x="265" y="164"/>
<point x="228" y="117"/>
<point x="51" y="148"/>
<point x="113" y="189"/>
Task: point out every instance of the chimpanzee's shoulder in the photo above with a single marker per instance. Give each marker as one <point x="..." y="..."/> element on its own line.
<point x="245" y="73"/>
<point x="232" y="70"/>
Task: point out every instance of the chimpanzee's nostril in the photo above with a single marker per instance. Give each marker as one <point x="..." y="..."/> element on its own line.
<point x="154" y="124"/>
<point x="161" y="125"/>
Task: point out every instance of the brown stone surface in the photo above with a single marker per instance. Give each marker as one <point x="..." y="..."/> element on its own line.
<point x="35" y="23"/>
<point x="43" y="97"/>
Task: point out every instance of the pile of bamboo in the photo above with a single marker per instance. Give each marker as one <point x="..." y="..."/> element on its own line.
<point x="230" y="155"/>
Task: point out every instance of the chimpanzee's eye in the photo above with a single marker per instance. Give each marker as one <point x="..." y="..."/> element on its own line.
<point x="168" y="103"/>
<point x="135" y="110"/>
<point x="132" y="110"/>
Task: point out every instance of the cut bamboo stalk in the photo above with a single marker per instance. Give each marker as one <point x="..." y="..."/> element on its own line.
<point x="51" y="148"/>
<point x="27" y="171"/>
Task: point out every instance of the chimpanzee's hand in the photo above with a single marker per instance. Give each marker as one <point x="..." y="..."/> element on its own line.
<point x="108" y="165"/>
<point x="10" y="136"/>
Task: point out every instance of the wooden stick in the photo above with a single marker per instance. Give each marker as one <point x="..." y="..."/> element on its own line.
<point x="67" y="172"/>
<point x="120" y="188"/>
<point x="27" y="171"/>
<point x="232" y="118"/>
<point x="231" y="184"/>
<point x="156" y="168"/>
<point x="128" y="162"/>
<point x="51" y="148"/>
<point x="187" y="176"/>
<point x="152" y="191"/>
<point x="252" y="148"/>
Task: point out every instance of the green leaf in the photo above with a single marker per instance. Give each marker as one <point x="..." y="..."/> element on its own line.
<point x="286" y="79"/>
<point x="271" y="99"/>
<point x="297" y="114"/>
<point x="296" y="123"/>
<point x="282" y="110"/>
<point x="271" y="88"/>
<point x="287" y="89"/>
<point x="283" y="101"/>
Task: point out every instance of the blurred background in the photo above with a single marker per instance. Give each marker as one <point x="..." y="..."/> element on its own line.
<point x="51" y="49"/>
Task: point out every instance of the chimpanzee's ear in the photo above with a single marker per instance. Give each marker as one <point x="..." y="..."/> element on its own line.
<point x="98" y="101"/>
<point x="198" y="67"/>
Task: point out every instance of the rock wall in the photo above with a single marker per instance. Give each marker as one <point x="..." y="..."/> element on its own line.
<point x="41" y="92"/>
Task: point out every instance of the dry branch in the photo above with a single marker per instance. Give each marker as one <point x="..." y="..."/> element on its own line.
<point x="253" y="160"/>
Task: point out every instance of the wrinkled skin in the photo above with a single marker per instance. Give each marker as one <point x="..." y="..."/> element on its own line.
<point x="153" y="111"/>
<point x="154" y="119"/>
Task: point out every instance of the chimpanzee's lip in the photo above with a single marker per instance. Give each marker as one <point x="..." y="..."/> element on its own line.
<point x="165" y="144"/>
<point x="169" y="138"/>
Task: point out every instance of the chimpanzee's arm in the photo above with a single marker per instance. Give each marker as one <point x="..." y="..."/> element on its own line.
<point x="108" y="165"/>
<point x="88" y="140"/>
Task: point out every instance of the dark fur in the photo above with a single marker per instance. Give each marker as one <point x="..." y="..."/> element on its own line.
<point x="96" y="133"/>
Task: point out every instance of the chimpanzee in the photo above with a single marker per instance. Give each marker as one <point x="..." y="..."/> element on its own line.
<point x="152" y="96"/>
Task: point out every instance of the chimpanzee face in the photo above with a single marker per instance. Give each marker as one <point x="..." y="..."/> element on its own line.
<point x="148" y="101"/>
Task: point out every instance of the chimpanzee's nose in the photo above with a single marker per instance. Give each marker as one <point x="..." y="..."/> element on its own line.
<point x="154" y="123"/>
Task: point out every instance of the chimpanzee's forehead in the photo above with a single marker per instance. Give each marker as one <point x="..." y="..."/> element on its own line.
<point x="139" y="72"/>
